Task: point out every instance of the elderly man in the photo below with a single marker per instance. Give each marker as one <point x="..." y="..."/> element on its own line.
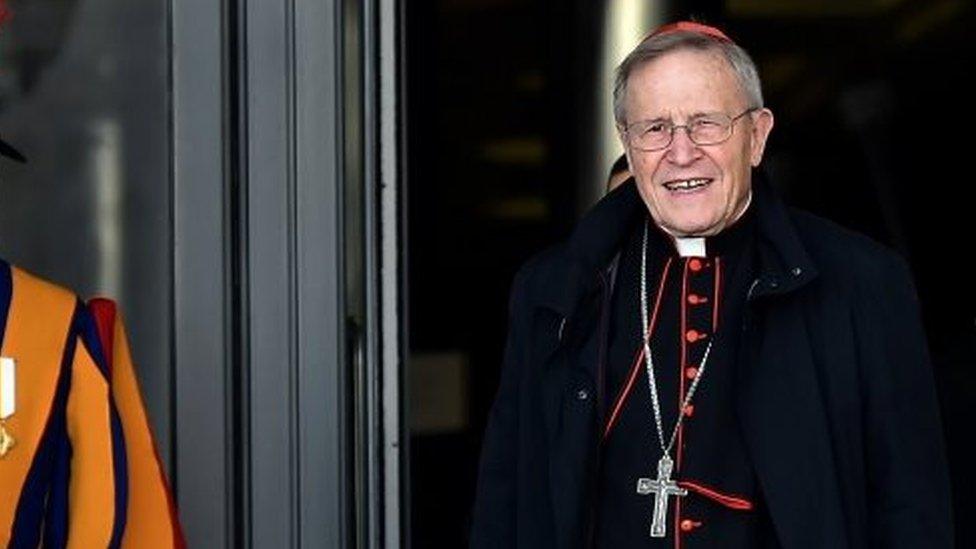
<point x="702" y="366"/>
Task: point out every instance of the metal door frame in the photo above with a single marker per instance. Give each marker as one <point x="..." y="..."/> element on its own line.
<point x="271" y="412"/>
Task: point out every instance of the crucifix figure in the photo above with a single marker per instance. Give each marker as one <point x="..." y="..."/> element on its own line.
<point x="662" y="488"/>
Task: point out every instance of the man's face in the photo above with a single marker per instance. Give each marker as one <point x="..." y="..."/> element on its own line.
<point x="678" y="86"/>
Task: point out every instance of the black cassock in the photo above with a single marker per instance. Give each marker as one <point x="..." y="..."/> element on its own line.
<point x="694" y="297"/>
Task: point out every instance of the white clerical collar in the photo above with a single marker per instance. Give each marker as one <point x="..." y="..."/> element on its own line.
<point x="690" y="246"/>
<point x="694" y="246"/>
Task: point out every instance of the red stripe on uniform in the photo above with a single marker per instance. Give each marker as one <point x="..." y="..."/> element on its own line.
<point x="681" y="396"/>
<point x="718" y="289"/>
<point x="632" y="376"/>
<point x="103" y="310"/>
<point x="732" y="502"/>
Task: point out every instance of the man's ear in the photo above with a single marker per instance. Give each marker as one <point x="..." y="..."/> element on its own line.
<point x="622" y="135"/>
<point x="762" y="125"/>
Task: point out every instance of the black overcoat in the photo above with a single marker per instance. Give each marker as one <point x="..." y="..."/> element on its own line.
<point x="836" y="401"/>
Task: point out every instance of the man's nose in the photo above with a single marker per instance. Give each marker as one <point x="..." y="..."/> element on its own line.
<point x="682" y="149"/>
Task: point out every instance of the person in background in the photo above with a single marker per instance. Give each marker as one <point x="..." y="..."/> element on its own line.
<point x="619" y="173"/>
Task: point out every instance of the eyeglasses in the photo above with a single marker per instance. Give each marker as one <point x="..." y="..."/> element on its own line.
<point x="706" y="129"/>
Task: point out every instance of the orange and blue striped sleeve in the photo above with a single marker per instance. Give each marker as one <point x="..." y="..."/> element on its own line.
<point x="151" y="518"/>
<point x="98" y="484"/>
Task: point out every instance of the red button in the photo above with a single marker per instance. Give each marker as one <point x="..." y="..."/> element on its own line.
<point x="690" y="409"/>
<point x="693" y="299"/>
<point x="695" y="264"/>
<point x="694" y="335"/>
<point x="691" y="372"/>
<point x="687" y="525"/>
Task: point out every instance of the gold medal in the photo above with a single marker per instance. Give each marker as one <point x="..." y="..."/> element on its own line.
<point x="7" y="441"/>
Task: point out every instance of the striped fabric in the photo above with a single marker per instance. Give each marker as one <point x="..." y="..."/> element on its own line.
<point x="151" y="518"/>
<point x="76" y="476"/>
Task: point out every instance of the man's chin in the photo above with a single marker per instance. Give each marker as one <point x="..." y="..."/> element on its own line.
<point x="690" y="229"/>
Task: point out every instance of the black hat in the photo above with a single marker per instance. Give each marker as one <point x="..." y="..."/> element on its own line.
<point x="6" y="149"/>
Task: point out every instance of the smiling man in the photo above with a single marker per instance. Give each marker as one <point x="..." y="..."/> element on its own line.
<point x="700" y="365"/>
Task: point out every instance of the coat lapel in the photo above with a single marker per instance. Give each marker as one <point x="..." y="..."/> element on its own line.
<point x="569" y="390"/>
<point x="784" y="424"/>
<point x="569" y="316"/>
<point x="780" y="403"/>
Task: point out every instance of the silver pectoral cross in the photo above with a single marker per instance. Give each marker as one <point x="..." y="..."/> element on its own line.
<point x="662" y="488"/>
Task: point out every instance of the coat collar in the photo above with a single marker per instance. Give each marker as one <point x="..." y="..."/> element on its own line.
<point x="784" y="263"/>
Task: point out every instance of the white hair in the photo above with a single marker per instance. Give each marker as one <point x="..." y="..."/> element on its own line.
<point x="657" y="46"/>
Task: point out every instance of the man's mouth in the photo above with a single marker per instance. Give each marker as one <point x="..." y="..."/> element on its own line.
<point x="687" y="185"/>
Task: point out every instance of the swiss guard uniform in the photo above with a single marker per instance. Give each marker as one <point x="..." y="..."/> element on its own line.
<point x="78" y="465"/>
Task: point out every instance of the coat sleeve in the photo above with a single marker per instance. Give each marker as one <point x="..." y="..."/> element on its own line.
<point x="494" y="521"/>
<point x="151" y="517"/>
<point x="97" y="483"/>
<point x="908" y="482"/>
